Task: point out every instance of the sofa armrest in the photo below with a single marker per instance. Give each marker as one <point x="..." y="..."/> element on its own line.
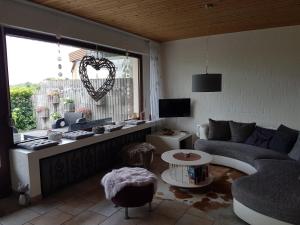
<point x="203" y="131"/>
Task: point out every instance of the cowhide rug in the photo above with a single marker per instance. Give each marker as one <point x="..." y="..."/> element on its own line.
<point x="216" y="196"/>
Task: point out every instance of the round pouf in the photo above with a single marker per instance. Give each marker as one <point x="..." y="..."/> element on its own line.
<point x="130" y="187"/>
<point x="138" y="154"/>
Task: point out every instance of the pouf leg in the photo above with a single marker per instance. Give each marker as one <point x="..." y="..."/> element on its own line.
<point x="126" y="214"/>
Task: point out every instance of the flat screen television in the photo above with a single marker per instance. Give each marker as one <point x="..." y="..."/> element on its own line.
<point x="179" y="107"/>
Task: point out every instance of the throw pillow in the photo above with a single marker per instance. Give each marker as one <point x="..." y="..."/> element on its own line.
<point x="218" y="130"/>
<point x="284" y="139"/>
<point x="240" y="131"/>
<point x="295" y="152"/>
<point x="260" y="137"/>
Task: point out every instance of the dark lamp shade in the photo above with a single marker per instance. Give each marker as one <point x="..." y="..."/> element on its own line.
<point x="207" y="82"/>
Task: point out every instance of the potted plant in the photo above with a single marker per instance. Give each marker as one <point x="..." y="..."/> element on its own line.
<point x="69" y="105"/>
<point x="54" y="96"/>
<point x="42" y="111"/>
<point x="55" y="116"/>
<point x="87" y="113"/>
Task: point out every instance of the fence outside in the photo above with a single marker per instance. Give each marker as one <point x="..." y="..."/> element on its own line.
<point x="118" y="103"/>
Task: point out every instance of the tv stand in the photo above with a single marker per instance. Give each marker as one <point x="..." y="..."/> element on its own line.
<point x="179" y="140"/>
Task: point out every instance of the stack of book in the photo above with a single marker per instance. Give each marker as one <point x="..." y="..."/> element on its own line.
<point x="197" y="174"/>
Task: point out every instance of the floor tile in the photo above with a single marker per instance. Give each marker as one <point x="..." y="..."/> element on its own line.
<point x="138" y="212"/>
<point x="45" y="205"/>
<point x="53" y="217"/>
<point x="158" y="165"/>
<point x="9" y="205"/>
<point x="106" y="208"/>
<point x="197" y="212"/>
<point x="171" y="209"/>
<point x="86" y="218"/>
<point x="75" y="206"/>
<point x="229" y="220"/>
<point x="221" y="212"/>
<point x="158" y="219"/>
<point x="118" y="218"/>
<point x="66" y="194"/>
<point x="155" y="203"/>
<point x="19" y="217"/>
<point x="94" y="195"/>
<point x="188" y="219"/>
<point x="87" y="185"/>
<point x="162" y="188"/>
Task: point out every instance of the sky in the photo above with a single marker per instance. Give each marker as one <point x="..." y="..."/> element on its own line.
<point x="33" y="61"/>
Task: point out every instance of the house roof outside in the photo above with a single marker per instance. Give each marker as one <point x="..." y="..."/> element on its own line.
<point x="77" y="55"/>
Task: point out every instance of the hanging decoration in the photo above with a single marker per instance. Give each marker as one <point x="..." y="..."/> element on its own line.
<point x="97" y="63"/>
<point x="126" y="67"/>
<point x="59" y="58"/>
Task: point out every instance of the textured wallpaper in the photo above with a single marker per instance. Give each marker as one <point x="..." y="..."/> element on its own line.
<point x="261" y="77"/>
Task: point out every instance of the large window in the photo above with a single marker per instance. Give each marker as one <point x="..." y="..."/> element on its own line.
<point x="45" y="83"/>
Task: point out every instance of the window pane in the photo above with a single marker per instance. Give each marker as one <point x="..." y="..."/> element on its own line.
<point x="45" y="84"/>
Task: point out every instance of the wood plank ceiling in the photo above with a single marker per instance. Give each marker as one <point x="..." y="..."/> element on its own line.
<point x="165" y="20"/>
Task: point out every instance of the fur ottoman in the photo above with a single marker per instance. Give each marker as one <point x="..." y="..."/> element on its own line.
<point x="130" y="187"/>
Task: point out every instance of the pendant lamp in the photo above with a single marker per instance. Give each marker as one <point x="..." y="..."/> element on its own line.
<point x="207" y="82"/>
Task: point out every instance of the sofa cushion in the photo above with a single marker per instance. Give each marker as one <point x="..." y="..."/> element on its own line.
<point x="273" y="191"/>
<point x="240" y="131"/>
<point x="295" y="152"/>
<point x="260" y="137"/>
<point x="218" y="130"/>
<point x="284" y="139"/>
<point x="239" y="151"/>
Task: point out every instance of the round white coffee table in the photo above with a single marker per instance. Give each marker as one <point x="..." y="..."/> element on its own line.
<point x="187" y="168"/>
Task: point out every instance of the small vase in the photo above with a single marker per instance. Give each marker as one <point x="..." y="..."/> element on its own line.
<point x="44" y="113"/>
<point x="54" y="99"/>
<point x="69" y="107"/>
<point x="23" y="200"/>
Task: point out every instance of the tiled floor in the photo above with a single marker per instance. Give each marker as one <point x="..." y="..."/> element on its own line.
<point x="85" y="204"/>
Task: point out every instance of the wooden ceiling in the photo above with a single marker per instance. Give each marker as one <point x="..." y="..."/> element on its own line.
<point x="165" y="20"/>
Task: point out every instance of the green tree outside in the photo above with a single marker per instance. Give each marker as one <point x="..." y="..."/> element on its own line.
<point x="21" y="106"/>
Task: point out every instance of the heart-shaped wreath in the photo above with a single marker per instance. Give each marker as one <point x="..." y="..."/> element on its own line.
<point x="97" y="64"/>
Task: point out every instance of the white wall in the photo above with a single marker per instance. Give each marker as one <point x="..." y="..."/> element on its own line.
<point x="261" y="77"/>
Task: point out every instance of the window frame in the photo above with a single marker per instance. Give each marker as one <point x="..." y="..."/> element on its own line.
<point x="5" y="126"/>
<point x="51" y="38"/>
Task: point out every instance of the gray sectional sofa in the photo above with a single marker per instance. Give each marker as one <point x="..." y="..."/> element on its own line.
<point x="270" y="195"/>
